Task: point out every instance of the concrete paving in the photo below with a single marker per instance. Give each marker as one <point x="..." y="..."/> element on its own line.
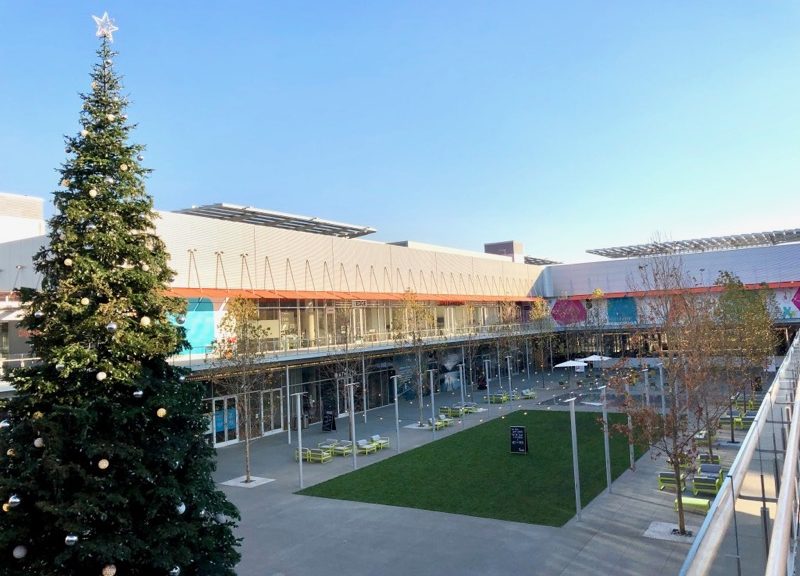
<point x="285" y="534"/>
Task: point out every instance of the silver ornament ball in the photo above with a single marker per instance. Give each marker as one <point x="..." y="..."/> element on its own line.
<point x="14" y="500"/>
<point x="181" y="319"/>
<point x="175" y="571"/>
<point x="38" y="314"/>
<point x="138" y="394"/>
<point x="111" y="327"/>
<point x="20" y="552"/>
<point x="5" y="424"/>
<point x="71" y="539"/>
<point x="180" y="508"/>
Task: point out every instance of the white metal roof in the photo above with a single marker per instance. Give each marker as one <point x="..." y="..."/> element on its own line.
<point x="701" y="244"/>
<point x="260" y="217"/>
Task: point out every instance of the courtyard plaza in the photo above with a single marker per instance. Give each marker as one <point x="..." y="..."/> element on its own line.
<point x="625" y="532"/>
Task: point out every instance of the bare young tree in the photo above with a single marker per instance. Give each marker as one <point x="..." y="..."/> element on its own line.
<point x="237" y="368"/>
<point x="687" y="325"/>
<point x="411" y="322"/>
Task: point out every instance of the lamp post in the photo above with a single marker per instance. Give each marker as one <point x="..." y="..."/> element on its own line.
<point x="576" y="473"/>
<point x="433" y="402"/>
<point x="461" y="376"/>
<point x="646" y="373"/>
<point x="528" y="364"/>
<point x="605" y="437"/>
<point x="396" y="412"/>
<point x="630" y="431"/>
<point x="661" y="387"/>
<point x="297" y="396"/>
<point x="508" y="367"/>
<point x="486" y="364"/>
<point x="350" y="386"/>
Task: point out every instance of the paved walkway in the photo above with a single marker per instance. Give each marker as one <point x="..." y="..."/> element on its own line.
<point x="290" y="535"/>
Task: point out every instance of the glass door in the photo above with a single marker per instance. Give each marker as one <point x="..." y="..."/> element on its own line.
<point x="271" y="411"/>
<point x="226" y="428"/>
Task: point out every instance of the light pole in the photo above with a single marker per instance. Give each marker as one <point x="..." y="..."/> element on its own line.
<point x="630" y="431"/>
<point x="486" y="364"/>
<point x="350" y="386"/>
<point x="575" y="471"/>
<point x="508" y="367"/>
<point x="661" y="386"/>
<point x="528" y="364"/>
<point x="605" y="438"/>
<point x="461" y="376"/>
<point x="646" y="372"/>
<point x="297" y="396"/>
<point x="396" y="412"/>
<point x="433" y="403"/>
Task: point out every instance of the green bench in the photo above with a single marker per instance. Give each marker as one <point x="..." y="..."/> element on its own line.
<point x="706" y="484"/>
<point x="711" y="470"/>
<point x="708" y="458"/>
<point x="668" y="479"/>
<point x="699" y="505"/>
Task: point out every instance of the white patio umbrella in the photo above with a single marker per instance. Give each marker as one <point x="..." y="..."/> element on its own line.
<point x="571" y="364"/>
<point x="595" y="358"/>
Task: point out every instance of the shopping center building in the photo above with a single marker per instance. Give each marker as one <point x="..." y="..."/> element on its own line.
<point x="334" y="305"/>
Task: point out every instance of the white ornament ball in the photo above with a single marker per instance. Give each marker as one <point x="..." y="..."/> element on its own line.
<point x="180" y="508"/>
<point x="92" y="193"/>
<point x="67" y="262"/>
<point x="91" y="227"/>
<point x="109" y="180"/>
<point x="220" y="518"/>
<point x="101" y="376"/>
<point x="39" y="442"/>
<point x="123" y="167"/>
<point x="103" y="464"/>
<point x="84" y="133"/>
<point x="109" y="570"/>
<point x="85" y="301"/>
<point x="145" y="267"/>
<point x="20" y="552"/>
<point x="71" y="539"/>
<point x="145" y="321"/>
<point x="110" y="117"/>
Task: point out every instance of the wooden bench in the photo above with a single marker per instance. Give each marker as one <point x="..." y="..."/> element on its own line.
<point x="706" y="484"/>
<point x="319" y="455"/>
<point x="690" y="504"/>
<point x="704" y="458"/>
<point x="668" y="479"/>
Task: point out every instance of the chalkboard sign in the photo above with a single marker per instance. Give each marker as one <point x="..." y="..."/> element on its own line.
<point x="519" y="440"/>
<point x="328" y="422"/>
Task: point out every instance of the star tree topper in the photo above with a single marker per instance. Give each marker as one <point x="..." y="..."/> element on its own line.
<point x="105" y="27"/>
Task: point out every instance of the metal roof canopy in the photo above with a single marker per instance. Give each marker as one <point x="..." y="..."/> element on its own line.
<point x="539" y="261"/>
<point x="260" y="217"/>
<point x="701" y="244"/>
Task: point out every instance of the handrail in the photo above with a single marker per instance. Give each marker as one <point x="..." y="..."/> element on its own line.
<point x="778" y="554"/>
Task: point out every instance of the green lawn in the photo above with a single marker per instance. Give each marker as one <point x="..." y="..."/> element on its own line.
<point x="474" y="473"/>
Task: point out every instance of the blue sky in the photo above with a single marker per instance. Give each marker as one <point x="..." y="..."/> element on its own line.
<point x="564" y="125"/>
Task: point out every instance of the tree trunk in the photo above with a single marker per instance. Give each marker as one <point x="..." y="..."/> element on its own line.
<point x="676" y="466"/>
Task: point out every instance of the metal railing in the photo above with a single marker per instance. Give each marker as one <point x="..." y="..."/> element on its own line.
<point x="719" y="544"/>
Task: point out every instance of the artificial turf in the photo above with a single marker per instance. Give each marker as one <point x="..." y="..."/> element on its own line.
<point x="474" y="472"/>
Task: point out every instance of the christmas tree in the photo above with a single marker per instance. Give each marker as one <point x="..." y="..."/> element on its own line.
<point x="103" y="464"/>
